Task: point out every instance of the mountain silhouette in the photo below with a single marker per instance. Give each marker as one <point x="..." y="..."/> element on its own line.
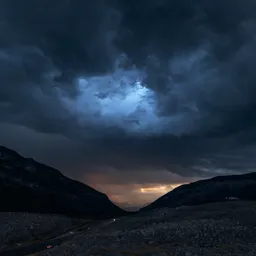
<point x="218" y="189"/>
<point x="29" y="186"/>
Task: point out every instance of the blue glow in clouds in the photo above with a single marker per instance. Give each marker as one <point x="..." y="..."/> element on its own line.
<point x="121" y="100"/>
<point x="115" y="100"/>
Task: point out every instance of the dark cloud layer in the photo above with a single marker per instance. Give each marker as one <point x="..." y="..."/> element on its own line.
<point x="131" y="85"/>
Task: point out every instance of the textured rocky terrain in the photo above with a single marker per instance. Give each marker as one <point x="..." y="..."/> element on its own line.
<point x="18" y="229"/>
<point x="227" y="228"/>
<point x="28" y="186"/>
<point x="218" y="189"/>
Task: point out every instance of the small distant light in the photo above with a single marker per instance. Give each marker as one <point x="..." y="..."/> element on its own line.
<point x="49" y="246"/>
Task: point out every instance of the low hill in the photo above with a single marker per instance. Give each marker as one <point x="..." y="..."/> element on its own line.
<point x="218" y="189"/>
<point x="29" y="186"/>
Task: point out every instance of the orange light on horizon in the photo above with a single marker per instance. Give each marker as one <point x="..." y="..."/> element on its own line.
<point x="159" y="189"/>
<point x="153" y="189"/>
<point x="175" y="185"/>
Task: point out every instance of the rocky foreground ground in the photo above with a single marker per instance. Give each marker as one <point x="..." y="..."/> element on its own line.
<point x="19" y="229"/>
<point x="213" y="229"/>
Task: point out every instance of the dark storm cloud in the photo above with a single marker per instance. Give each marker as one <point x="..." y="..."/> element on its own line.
<point x="195" y="59"/>
<point x="43" y="44"/>
<point x="76" y="35"/>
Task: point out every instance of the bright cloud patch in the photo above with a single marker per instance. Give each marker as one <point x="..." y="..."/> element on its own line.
<point x="115" y="100"/>
<point x="121" y="100"/>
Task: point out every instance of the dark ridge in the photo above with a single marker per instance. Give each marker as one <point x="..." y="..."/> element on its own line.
<point x="29" y="186"/>
<point x="217" y="189"/>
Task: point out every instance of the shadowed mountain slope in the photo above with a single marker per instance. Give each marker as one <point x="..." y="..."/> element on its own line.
<point x="28" y="186"/>
<point x="218" y="189"/>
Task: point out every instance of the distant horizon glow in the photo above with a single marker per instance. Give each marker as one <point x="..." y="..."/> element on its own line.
<point x="159" y="189"/>
<point x="134" y="193"/>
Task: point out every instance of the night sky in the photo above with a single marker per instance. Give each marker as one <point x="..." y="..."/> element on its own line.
<point x="130" y="97"/>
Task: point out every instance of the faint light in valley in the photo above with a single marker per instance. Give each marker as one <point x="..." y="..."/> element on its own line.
<point x="159" y="189"/>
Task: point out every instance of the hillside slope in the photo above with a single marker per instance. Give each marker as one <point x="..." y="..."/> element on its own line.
<point x="28" y="186"/>
<point x="217" y="189"/>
